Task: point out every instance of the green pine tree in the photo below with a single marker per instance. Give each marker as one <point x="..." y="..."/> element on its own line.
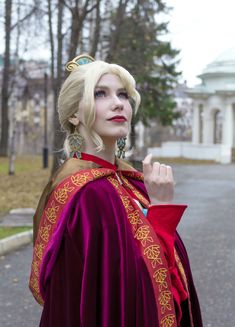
<point x="153" y="62"/>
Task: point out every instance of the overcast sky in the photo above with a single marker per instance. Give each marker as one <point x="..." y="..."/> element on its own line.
<point x="202" y="30"/>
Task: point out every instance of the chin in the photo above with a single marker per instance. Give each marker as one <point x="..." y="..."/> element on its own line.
<point x="120" y="135"/>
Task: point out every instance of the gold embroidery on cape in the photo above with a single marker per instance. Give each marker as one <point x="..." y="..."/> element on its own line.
<point x="51" y="213"/>
<point x="181" y="270"/>
<point x="45" y="233"/>
<point x="35" y="268"/>
<point x="35" y="284"/>
<point x="164" y="299"/>
<point x="168" y="321"/>
<point x="135" y="174"/>
<point x="135" y="191"/>
<point x="153" y="252"/>
<point x="97" y="173"/>
<point x="135" y="218"/>
<point x="142" y="234"/>
<point x="62" y="194"/>
<point x="39" y="250"/>
<point x="126" y="203"/>
<point x="80" y="179"/>
<point x="114" y="182"/>
<point x="160" y="278"/>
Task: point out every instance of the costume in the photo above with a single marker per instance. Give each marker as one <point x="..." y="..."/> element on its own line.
<point x="98" y="261"/>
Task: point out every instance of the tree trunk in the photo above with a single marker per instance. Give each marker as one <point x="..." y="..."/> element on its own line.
<point x="5" y="84"/>
<point x="116" y="33"/>
<point x="75" y="33"/>
<point x="58" y="134"/>
<point x="78" y="18"/>
<point x="96" y="36"/>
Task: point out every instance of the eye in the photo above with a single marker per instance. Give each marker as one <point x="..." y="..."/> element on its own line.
<point x="99" y="93"/>
<point x="123" y="95"/>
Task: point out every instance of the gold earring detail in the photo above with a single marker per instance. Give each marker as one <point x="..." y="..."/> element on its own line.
<point x="76" y="142"/>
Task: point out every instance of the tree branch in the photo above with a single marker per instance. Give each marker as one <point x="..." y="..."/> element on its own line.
<point x="24" y="18"/>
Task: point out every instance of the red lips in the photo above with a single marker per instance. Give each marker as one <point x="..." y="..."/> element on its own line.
<point x="118" y="119"/>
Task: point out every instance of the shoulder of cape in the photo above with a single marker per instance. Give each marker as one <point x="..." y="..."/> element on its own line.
<point x="69" y="167"/>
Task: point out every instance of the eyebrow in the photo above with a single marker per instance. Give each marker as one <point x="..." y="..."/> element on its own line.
<point x="106" y="87"/>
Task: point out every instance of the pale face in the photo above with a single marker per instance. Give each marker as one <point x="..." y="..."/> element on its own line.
<point x="113" y="109"/>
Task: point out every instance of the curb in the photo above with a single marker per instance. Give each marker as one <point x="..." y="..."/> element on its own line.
<point x="15" y="241"/>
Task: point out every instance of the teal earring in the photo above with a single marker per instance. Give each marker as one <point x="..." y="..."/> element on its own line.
<point x="76" y="142"/>
<point x="121" y="143"/>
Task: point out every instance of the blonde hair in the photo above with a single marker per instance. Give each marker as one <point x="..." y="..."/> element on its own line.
<point x="80" y="86"/>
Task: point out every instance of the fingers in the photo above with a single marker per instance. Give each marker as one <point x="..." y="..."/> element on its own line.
<point x="163" y="170"/>
<point x="156" y="169"/>
<point x="169" y="173"/>
<point x="147" y="166"/>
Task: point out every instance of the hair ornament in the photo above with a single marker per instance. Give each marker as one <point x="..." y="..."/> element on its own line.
<point x="79" y="61"/>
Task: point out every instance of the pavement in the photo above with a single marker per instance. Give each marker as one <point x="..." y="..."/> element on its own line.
<point x="207" y="229"/>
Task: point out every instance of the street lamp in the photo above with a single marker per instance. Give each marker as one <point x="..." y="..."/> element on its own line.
<point x="45" y="146"/>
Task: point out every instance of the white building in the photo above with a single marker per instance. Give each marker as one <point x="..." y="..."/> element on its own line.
<point x="213" y="134"/>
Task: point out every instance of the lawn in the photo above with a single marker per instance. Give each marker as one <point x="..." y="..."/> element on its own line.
<point x="9" y="231"/>
<point x="23" y="189"/>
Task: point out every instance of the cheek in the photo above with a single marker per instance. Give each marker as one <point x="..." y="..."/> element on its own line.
<point x="129" y="111"/>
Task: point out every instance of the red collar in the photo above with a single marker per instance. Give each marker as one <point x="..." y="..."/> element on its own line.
<point x="101" y="162"/>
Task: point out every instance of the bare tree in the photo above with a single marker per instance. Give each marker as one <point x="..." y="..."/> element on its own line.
<point x="5" y="84"/>
<point x="115" y="33"/>
<point x="96" y="35"/>
<point x="79" y="14"/>
<point x="8" y="70"/>
<point x="56" y="75"/>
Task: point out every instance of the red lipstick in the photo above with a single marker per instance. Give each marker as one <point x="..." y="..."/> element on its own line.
<point x="118" y="119"/>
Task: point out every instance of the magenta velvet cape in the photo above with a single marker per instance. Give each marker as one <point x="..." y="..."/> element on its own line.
<point x="95" y="275"/>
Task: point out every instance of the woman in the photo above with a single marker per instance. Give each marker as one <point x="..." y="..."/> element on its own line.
<point x="106" y="249"/>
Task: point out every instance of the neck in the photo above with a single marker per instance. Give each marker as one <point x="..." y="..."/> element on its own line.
<point x="108" y="153"/>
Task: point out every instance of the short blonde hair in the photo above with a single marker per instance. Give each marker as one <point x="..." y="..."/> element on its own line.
<point x="80" y="86"/>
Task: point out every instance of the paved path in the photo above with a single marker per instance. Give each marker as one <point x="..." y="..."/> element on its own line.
<point x="17" y="307"/>
<point x="207" y="229"/>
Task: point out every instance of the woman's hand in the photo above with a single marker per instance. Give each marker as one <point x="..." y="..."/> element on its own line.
<point x="158" y="180"/>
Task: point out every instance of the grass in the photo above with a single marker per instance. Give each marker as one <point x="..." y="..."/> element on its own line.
<point x="9" y="231"/>
<point x="23" y="189"/>
<point x="184" y="161"/>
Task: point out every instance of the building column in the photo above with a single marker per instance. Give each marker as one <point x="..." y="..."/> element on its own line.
<point x="208" y="127"/>
<point x="196" y="124"/>
<point x="227" y="132"/>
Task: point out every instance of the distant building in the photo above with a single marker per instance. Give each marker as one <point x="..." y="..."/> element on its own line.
<point x="182" y="126"/>
<point x="213" y="103"/>
<point x="27" y="105"/>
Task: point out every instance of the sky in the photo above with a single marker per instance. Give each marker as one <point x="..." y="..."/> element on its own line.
<point x="202" y="30"/>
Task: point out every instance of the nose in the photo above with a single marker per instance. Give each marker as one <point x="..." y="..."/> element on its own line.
<point x="117" y="103"/>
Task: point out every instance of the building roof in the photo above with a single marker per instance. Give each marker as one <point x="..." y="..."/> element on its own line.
<point x="218" y="77"/>
<point x="224" y="64"/>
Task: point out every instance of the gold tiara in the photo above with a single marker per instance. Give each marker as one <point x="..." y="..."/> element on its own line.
<point x="79" y="61"/>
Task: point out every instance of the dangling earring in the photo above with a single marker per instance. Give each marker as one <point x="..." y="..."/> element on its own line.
<point x="121" y="143"/>
<point x="76" y="142"/>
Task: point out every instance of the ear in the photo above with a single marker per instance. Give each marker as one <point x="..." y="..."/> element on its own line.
<point x="74" y="120"/>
